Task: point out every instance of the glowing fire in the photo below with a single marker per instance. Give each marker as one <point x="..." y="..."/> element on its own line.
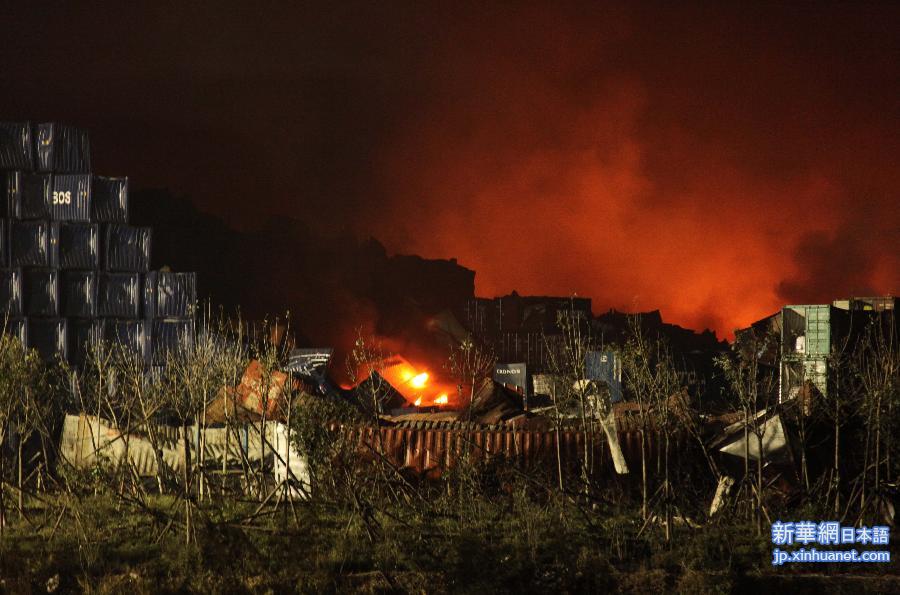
<point x="418" y="402"/>
<point x="419" y="380"/>
<point x="441" y="400"/>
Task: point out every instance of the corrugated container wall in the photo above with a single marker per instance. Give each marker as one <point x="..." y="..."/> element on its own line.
<point x="27" y="195"/>
<point x="127" y="248"/>
<point x="63" y="149"/>
<point x="82" y="334"/>
<point x="169" y="336"/>
<point x="109" y="199"/>
<point x="79" y="294"/>
<point x="10" y="293"/>
<point x="16" y="147"/>
<point x="169" y="295"/>
<point x="34" y="243"/>
<point x="128" y="334"/>
<point x="16" y="327"/>
<point x="40" y="288"/>
<point x="48" y="337"/>
<point x="4" y="243"/>
<point x="79" y="245"/>
<point x="70" y="198"/>
<point x="119" y="295"/>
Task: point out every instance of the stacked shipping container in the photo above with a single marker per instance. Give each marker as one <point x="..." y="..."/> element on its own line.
<point x="71" y="267"/>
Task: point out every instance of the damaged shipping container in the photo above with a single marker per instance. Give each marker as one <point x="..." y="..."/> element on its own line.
<point x="34" y="243"/>
<point x="70" y="197"/>
<point x="169" y="295"/>
<point x="82" y="335"/>
<point x="16" y="149"/>
<point x="79" y="246"/>
<point x="10" y="293"/>
<point x="48" y="337"/>
<point x="27" y="195"/>
<point x="63" y="149"/>
<point x="127" y="248"/>
<point x="109" y="199"/>
<point x="79" y="294"/>
<point x="40" y="289"/>
<point x="130" y="335"/>
<point x="119" y="295"/>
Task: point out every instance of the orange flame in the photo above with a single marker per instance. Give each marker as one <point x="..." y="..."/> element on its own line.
<point x="419" y="380"/>
<point x="442" y="400"/>
<point x="418" y="402"/>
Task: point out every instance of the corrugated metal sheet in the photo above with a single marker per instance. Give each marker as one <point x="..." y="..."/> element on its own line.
<point x="127" y="248"/>
<point x="48" y="337"/>
<point x="16" y="327"/>
<point x="79" y="294"/>
<point x="109" y="199"/>
<point x="34" y="243"/>
<point x="81" y="334"/>
<point x="170" y="336"/>
<point x="119" y="295"/>
<point x="169" y="295"/>
<point x="4" y="243"/>
<point x="27" y="195"/>
<point x="70" y="197"/>
<point x="62" y="148"/>
<point x="79" y="246"/>
<point x="11" y="293"/>
<point x="40" y="288"/>
<point x="128" y="334"/>
<point x="16" y="149"/>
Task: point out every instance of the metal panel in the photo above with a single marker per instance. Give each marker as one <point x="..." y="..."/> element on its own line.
<point x="48" y="337"/>
<point x="27" y="195"/>
<point x="34" y="243"/>
<point x="169" y="295"/>
<point x="70" y="198"/>
<point x="79" y="294"/>
<point x="11" y="293"/>
<point x="41" y="292"/>
<point x="109" y="197"/>
<point x="128" y="334"/>
<point x="82" y="333"/>
<point x="79" y="246"/>
<point x="127" y="248"/>
<point x="62" y="149"/>
<point x="16" y="151"/>
<point x="4" y="243"/>
<point x="170" y="336"/>
<point x="16" y="327"/>
<point x="119" y="295"/>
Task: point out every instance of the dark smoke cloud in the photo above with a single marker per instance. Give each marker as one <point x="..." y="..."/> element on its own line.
<point x="714" y="160"/>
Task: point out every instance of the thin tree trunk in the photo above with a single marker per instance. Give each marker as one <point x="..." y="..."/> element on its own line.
<point x="187" y="482"/>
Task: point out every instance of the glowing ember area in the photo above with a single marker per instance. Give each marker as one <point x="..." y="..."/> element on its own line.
<point x="419" y="387"/>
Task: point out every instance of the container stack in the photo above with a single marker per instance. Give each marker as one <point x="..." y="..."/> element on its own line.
<point x="72" y="269"/>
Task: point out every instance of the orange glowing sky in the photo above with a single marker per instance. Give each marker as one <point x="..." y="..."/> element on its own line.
<point x="712" y="160"/>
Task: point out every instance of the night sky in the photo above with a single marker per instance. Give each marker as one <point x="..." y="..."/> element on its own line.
<point x="712" y="161"/>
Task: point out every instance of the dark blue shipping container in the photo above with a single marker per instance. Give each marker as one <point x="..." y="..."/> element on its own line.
<point x="170" y="336"/>
<point x="109" y="199"/>
<point x="62" y="149"/>
<point x="170" y="295"/>
<point x="40" y="289"/>
<point x="10" y="293"/>
<point x="4" y="243"/>
<point x="119" y="295"/>
<point x="70" y="197"/>
<point x="27" y="195"/>
<point x="79" y="294"/>
<point x="16" y="327"/>
<point x="16" y="147"/>
<point x="82" y="334"/>
<point x="127" y="248"/>
<point x="79" y="246"/>
<point x="34" y="243"/>
<point x="48" y="337"/>
<point x="128" y="334"/>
